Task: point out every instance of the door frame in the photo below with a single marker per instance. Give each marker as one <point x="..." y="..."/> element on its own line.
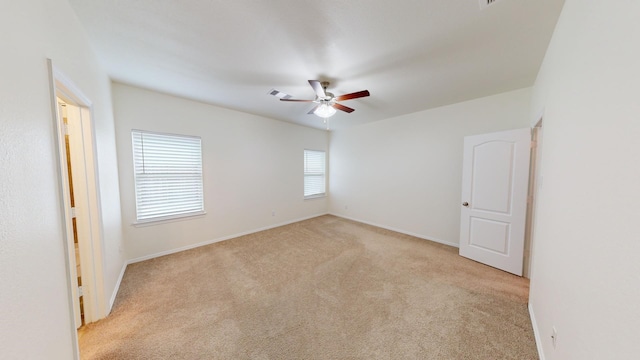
<point x="535" y="183"/>
<point x="91" y="251"/>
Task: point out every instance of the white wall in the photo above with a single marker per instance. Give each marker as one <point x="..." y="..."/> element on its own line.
<point x="586" y="273"/>
<point x="34" y="308"/>
<point x="405" y="173"/>
<point x="252" y="166"/>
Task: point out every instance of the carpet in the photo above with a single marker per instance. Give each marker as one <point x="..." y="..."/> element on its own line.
<point x="324" y="288"/>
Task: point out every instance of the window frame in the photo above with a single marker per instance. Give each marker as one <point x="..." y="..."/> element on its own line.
<point x="307" y="174"/>
<point x="197" y="176"/>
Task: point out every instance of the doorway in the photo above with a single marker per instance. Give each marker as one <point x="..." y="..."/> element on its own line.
<point x="80" y="203"/>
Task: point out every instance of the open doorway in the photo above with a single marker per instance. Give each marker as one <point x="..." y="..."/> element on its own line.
<point x="78" y="183"/>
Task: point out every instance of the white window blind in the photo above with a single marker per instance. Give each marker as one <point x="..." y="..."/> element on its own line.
<point x="168" y="175"/>
<point x="314" y="173"/>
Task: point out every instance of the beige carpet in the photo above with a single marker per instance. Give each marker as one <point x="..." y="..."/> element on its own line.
<point x="325" y="288"/>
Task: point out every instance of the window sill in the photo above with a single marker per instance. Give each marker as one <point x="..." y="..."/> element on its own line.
<point x="312" y="197"/>
<point x="168" y="219"/>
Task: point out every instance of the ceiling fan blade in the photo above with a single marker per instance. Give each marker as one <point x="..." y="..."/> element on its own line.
<point x="297" y="100"/>
<point x="313" y="110"/>
<point x="354" y="95"/>
<point x="343" y="108"/>
<point x="317" y="87"/>
<point x="279" y="94"/>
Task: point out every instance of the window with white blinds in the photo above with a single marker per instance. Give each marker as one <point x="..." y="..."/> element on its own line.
<point x="314" y="173"/>
<point x="168" y="175"/>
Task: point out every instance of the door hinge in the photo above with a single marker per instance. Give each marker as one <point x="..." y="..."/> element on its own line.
<point x="534" y="144"/>
<point x="73" y="212"/>
<point x="80" y="291"/>
<point x="65" y="128"/>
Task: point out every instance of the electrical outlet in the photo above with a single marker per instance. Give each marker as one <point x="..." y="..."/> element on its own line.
<point x="273" y="213"/>
<point x="554" y="336"/>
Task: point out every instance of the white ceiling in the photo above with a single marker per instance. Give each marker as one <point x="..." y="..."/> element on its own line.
<point x="411" y="55"/>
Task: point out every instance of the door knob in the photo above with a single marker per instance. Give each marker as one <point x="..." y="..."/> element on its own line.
<point x="465" y="204"/>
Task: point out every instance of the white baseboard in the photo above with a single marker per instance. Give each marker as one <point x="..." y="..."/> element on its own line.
<point x="536" y="333"/>
<point x="208" y="242"/>
<point x="430" y="238"/>
<point x="116" y="288"/>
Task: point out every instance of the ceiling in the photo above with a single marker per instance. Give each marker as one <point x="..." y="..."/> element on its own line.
<point x="411" y="55"/>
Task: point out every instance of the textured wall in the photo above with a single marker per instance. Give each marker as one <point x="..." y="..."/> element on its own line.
<point x="35" y="319"/>
<point x="586" y="274"/>
<point x="252" y="166"/>
<point x="405" y="173"/>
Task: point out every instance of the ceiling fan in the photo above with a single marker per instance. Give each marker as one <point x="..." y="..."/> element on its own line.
<point x="327" y="103"/>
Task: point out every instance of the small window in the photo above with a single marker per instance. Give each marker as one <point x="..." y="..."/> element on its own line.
<point x="168" y="175"/>
<point x="314" y="173"/>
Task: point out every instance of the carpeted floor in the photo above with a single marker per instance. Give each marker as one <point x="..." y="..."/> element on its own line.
<point x="325" y="288"/>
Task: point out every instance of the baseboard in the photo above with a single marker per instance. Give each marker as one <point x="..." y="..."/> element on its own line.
<point x="209" y="242"/>
<point x="117" y="287"/>
<point x="430" y="238"/>
<point x="536" y="333"/>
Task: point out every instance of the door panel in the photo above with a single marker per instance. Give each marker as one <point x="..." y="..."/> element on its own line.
<point x="489" y="235"/>
<point x="492" y="166"/>
<point x="494" y="198"/>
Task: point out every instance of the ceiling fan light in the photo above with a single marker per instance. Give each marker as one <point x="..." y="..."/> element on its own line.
<point x="325" y="111"/>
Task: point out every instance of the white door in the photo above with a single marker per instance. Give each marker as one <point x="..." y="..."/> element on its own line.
<point x="495" y="178"/>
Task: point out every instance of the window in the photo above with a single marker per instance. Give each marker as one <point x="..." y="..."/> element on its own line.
<point x="168" y="175"/>
<point x="314" y="173"/>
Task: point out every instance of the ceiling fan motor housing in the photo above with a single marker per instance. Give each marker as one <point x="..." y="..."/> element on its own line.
<point x="323" y="98"/>
<point x="329" y="96"/>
